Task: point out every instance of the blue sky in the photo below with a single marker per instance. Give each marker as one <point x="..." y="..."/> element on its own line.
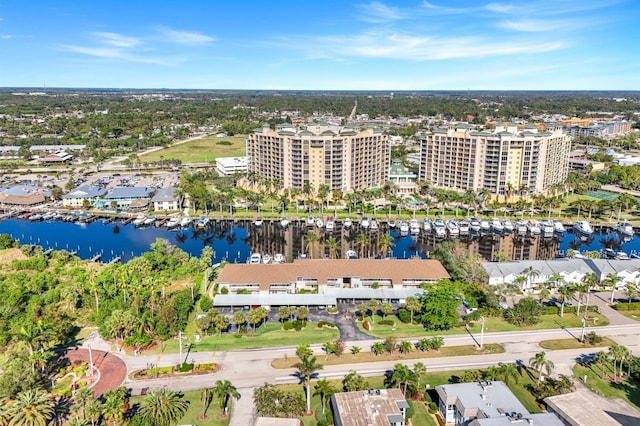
<point x="322" y="44"/>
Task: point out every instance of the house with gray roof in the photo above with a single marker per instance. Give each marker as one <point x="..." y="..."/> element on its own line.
<point x="572" y="271"/>
<point x="77" y="196"/>
<point x="123" y="197"/>
<point x="486" y="403"/>
<point x="166" y="199"/>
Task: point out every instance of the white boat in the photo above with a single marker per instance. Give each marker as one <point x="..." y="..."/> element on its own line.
<point x="622" y="256"/>
<point x="173" y="222"/>
<point x="374" y="225"/>
<point x="278" y="258"/>
<point x="139" y="220"/>
<point x="204" y="221"/>
<point x="391" y="224"/>
<point x="347" y="224"/>
<point x="625" y="228"/>
<point x="351" y="254"/>
<point x="453" y="229"/>
<point x="404" y="227"/>
<point x="497" y="226"/>
<point x="464" y="228"/>
<point x="533" y="226"/>
<point x="266" y="258"/>
<point x="507" y="226"/>
<point x="547" y="228"/>
<point x="185" y="222"/>
<point x="583" y="227"/>
<point x="311" y="221"/>
<point x="284" y="222"/>
<point x="255" y="258"/>
<point x="521" y="227"/>
<point x="330" y="225"/>
<point x="474" y="224"/>
<point x="258" y="222"/>
<point x="439" y="228"/>
<point x="485" y="226"/>
<point x="150" y="220"/>
<point x="414" y="227"/>
<point x="319" y="223"/>
<point x="48" y="216"/>
<point x="426" y="225"/>
<point x="364" y="223"/>
<point x="35" y="217"/>
<point x="558" y="227"/>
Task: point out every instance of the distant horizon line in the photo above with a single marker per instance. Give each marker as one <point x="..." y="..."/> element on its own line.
<point x="387" y="91"/>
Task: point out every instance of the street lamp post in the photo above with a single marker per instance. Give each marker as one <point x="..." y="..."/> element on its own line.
<point x="180" y="345"/>
<point x="482" y="333"/>
<point x="584" y="323"/>
<point x="90" y="361"/>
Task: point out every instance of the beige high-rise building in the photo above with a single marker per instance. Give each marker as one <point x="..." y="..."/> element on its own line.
<point x="506" y="161"/>
<point x="343" y="158"/>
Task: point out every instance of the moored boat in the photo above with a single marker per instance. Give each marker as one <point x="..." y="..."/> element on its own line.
<point x="625" y="228"/>
<point x="583" y="227"/>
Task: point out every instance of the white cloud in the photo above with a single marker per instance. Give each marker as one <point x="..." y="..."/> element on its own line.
<point x="118" y="40"/>
<point x="533" y="25"/>
<point x="378" y="12"/>
<point x="119" y="54"/>
<point x="185" y="37"/>
<point x="501" y="8"/>
<point x="6" y="36"/>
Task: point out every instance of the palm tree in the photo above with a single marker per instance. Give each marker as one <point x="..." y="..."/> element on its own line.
<point x="224" y="390"/>
<point x="539" y="361"/>
<point x="419" y="369"/>
<point x="377" y="348"/>
<point x="325" y="389"/>
<point x="400" y="376"/>
<point x="373" y="305"/>
<point x="31" y="408"/>
<point x="612" y="279"/>
<point x="362" y="240"/>
<point x="508" y="372"/>
<point x="163" y="407"/>
<point x="82" y="397"/>
<point x="93" y="409"/>
<point x="386" y="308"/>
<point x="601" y="358"/>
<point x="311" y="238"/>
<point x="206" y="395"/>
<point x="581" y="290"/>
<point x="630" y="291"/>
<point x="385" y="244"/>
<point x="413" y="305"/>
<point x="566" y="293"/>
<point x="239" y="318"/>
<point x="333" y="245"/>
<point x="530" y="274"/>
<point x="307" y="368"/>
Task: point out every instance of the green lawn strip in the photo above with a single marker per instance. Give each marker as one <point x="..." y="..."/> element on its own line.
<point x="634" y="315"/>
<point x="626" y="390"/>
<point x="268" y="335"/>
<point x="362" y="357"/>
<point x="559" y="344"/>
<point x="421" y="416"/>
<point x="206" y="149"/>
<point x="194" y="411"/>
<point x="399" y="329"/>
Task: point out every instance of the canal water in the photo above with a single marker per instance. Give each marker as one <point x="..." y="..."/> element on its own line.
<point x="234" y="241"/>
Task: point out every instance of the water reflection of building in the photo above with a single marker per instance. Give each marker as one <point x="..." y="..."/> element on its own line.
<point x="515" y="247"/>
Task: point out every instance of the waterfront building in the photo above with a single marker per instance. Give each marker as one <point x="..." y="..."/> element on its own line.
<point x="76" y="198"/>
<point x="403" y="179"/>
<point x="486" y="403"/>
<point x="166" y="199"/>
<point x="372" y="407"/>
<point x="23" y="196"/>
<point x="125" y="198"/>
<point x="507" y="161"/>
<point x="343" y="158"/>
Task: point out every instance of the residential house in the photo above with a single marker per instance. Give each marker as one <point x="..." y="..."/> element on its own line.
<point x="78" y="196"/>
<point x="166" y="199"/>
<point x="373" y="407"/>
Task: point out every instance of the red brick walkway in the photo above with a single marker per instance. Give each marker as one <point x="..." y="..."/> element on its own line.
<point x="112" y="369"/>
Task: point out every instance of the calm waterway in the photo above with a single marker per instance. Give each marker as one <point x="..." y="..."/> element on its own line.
<point x="234" y="241"/>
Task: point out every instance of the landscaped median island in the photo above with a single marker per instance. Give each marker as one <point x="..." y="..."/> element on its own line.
<point x="186" y="369"/>
<point x="591" y="340"/>
<point x="395" y="355"/>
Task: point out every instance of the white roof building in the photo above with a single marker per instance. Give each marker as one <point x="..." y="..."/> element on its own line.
<point x="227" y="166"/>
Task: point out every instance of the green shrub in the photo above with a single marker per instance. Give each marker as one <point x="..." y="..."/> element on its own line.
<point x="184" y="367"/>
<point x="287" y="325"/>
<point x="404" y="315"/>
<point x="433" y="407"/>
<point x="225" y="143"/>
<point x="326" y="324"/>
<point x="387" y="322"/>
<point x="633" y="306"/>
<point x="410" y="411"/>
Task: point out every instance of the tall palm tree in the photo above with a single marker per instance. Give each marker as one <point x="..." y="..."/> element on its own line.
<point x="419" y="369"/>
<point x="400" y="376"/>
<point x="566" y="293"/>
<point x="82" y="397"/>
<point x="385" y="243"/>
<point x="224" y="390"/>
<point x="530" y="274"/>
<point x="31" y="408"/>
<point x="601" y="358"/>
<point x="206" y="395"/>
<point x="539" y="361"/>
<point x="580" y="290"/>
<point x="413" y="305"/>
<point x="612" y="279"/>
<point x="325" y="389"/>
<point x="333" y="245"/>
<point x="361" y="242"/>
<point x="310" y="237"/>
<point x="163" y="407"/>
<point x="307" y="368"/>
<point x="508" y="372"/>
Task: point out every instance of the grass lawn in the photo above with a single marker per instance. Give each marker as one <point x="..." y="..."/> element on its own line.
<point x="421" y="416"/>
<point x="367" y="356"/>
<point x="202" y="150"/>
<point x="268" y="335"/>
<point x="634" y="315"/>
<point x="626" y="390"/>
<point x="559" y="344"/>
<point x="194" y="411"/>
<point x="399" y="329"/>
